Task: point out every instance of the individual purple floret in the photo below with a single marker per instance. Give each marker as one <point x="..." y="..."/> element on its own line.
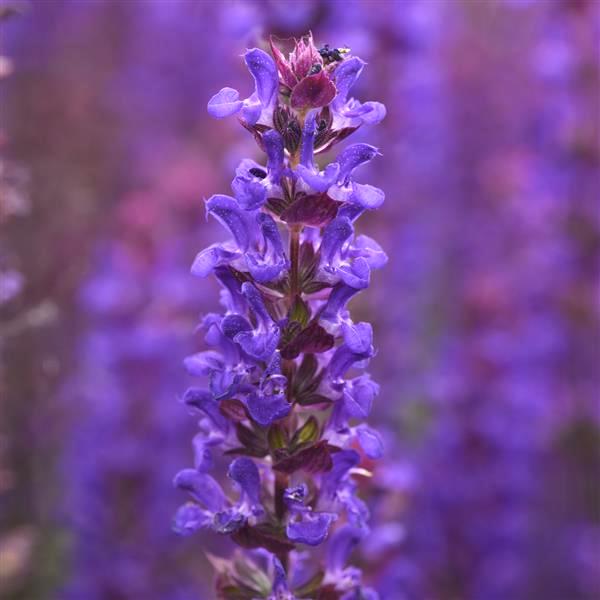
<point x="285" y="394"/>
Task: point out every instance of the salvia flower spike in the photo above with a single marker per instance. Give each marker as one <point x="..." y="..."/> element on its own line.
<point x="285" y="395"/>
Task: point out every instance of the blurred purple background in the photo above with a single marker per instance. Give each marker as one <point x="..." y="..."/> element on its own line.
<point x="486" y="317"/>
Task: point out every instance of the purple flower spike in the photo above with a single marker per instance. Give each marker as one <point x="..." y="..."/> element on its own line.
<point x="279" y="353"/>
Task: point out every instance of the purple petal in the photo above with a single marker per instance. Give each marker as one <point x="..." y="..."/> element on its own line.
<point x="189" y="518"/>
<point x="231" y="325"/>
<point x="375" y="114"/>
<point x="256" y="302"/>
<point x="356" y="275"/>
<point x="228" y="212"/>
<point x="273" y="368"/>
<point x="259" y="345"/>
<point x="266" y="409"/>
<point x="244" y="472"/>
<point x="251" y="110"/>
<point x="345" y="76"/>
<point x="311" y="529"/>
<point x="334" y="236"/>
<point x="367" y="196"/>
<point x="358" y="397"/>
<point x="343" y="461"/>
<point x="225" y="103"/>
<point x="263" y="270"/>
<point x="350" y="211"/>
<point x="202" y="444"/>
<point x="358" y="337"/>
<point x="202" y="487"/>
<point x="250" y="193"/>
<point x="320" y="182"/>
<point x="340" y="547"/>
<point x="271" y="234"/>
<point x="343" y="358"/>
<point x="352" y="157"/>
<point x="203" y="401"/>
<point x="340" y="295"/>
<point x="233" y="287"/>
<point x="370" y="441"/>
<point x="274" y="148"/>
<point x="263" y="69"/>
<point x="308" y="140"/>
<point x="202" y="363"/>
<point x="370" y="250"/>
<point x="210" y="258"/>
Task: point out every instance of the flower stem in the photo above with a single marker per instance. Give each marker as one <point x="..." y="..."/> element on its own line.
<point x="294" y="259"/>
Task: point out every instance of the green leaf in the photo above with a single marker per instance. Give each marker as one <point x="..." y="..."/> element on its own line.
<point x="309" y="432"/>
<point x="277" y="437"/>
<point x="300" y="311"/>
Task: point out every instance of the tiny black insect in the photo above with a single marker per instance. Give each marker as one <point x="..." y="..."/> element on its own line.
<point x="331" y="55"/>
<point x="258" y="172"/>
<point x="315" y="69"/>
